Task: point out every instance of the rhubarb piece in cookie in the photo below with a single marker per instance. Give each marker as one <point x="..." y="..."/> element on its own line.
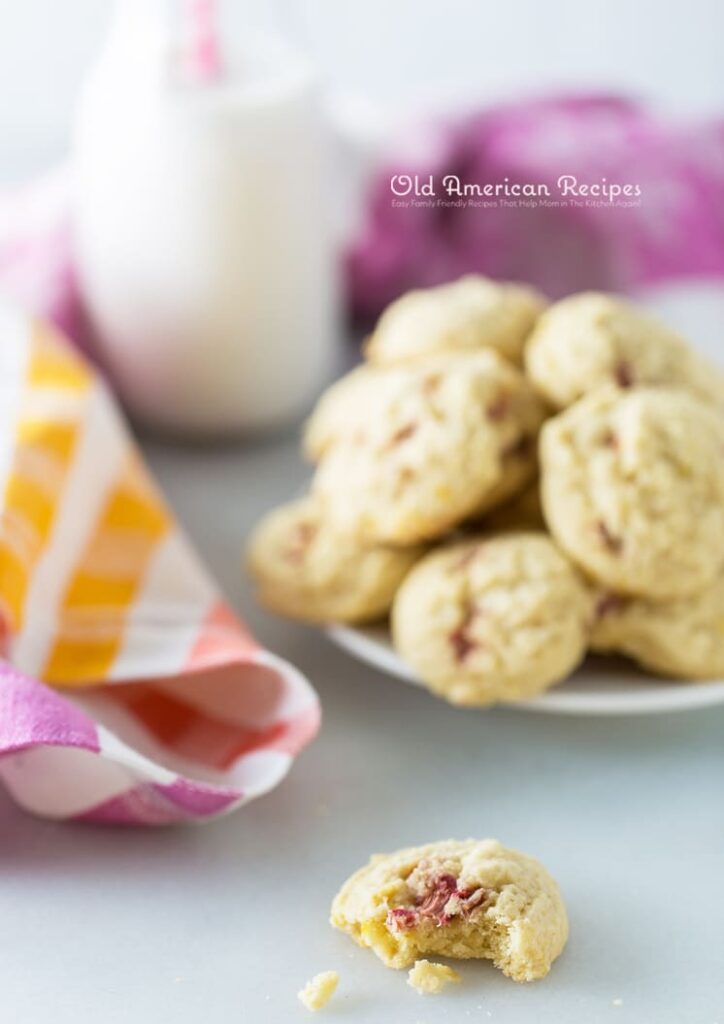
<point x="492" y="618"/>
<point x="633" y="490"/>
<point x="471" y="899"/>
<point x="683" y="638"/>
<point x="306" y="569"/>
<point x="429" y="979"/>
<point x="433" y="447"/>
<point x="589" y="340"/>
<point x="473" y="312"/>
<point x="316" y="993"/>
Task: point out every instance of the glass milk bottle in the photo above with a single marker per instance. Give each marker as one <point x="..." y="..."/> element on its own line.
<point x="202" y="224"/>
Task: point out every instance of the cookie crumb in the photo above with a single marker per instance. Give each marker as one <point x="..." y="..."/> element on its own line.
<point x="317" y="992"/>
<point x="429" y="978"/>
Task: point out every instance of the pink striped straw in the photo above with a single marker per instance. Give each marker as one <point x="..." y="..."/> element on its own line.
<point x="203" y="52"/>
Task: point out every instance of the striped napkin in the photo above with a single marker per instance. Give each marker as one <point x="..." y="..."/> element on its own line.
<point x="129" y="692"/>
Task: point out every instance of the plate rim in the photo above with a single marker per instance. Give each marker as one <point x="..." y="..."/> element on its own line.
<point x="358" y="642"/>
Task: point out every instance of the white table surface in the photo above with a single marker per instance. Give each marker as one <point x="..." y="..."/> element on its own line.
<point x="225" y="922"/>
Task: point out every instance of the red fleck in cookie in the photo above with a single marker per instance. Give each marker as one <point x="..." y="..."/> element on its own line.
<point x="471" y="313"/>
<point x="492" y="619"/>
<point x="633" y="490"/>
<point x="431" y="444"/>
<point x="305" y="569"/>
<point x="592" y="339"/>
<point x="471" y="899"/>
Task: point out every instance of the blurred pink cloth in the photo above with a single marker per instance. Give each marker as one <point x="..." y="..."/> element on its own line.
<point x="36" y="262"/>
<point x="677" y="230"/>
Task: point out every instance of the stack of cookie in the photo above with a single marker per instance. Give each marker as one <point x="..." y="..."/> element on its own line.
<point x="632" y="479"/>
<point x="602" y="525"/>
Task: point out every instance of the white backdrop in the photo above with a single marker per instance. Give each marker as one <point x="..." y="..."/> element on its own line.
<point x="403" y="52"/>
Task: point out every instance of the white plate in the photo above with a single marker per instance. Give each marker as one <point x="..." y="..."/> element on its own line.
<point x="602" y="686"/>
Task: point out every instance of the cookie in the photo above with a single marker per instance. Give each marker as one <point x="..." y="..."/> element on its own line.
<point x="492" y="619"/>
<point x="470" y="899"/>
<point x="431" y="444"/>
<point x="590" y="340"/>
<point x="682" y="638"/>
<point x="305" y="569"/>
<point x="633" y="490"/>
<point x="341" y="409"/>
<point x="470" y="313"/>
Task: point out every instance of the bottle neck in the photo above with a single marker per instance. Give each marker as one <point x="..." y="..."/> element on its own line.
<point x="149" y="25"/>
<point x="176" y="38"/>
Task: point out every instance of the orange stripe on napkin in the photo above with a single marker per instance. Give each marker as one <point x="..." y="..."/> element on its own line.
<point x="43" y="454"/>
<point x="107" y="580"/>
<point x="53" y="364"/>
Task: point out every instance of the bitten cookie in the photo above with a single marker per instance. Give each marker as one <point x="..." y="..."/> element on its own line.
<point x="683" y="639"/>
<point x="473" y="312"/>
<point x="471" y="899"/>
<point x="306" y="569"/>
<point x="432" y="447"/>
<point x="589" y="340"/>
<point x="633" y="490"/>
<point x="492" y="619"/>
